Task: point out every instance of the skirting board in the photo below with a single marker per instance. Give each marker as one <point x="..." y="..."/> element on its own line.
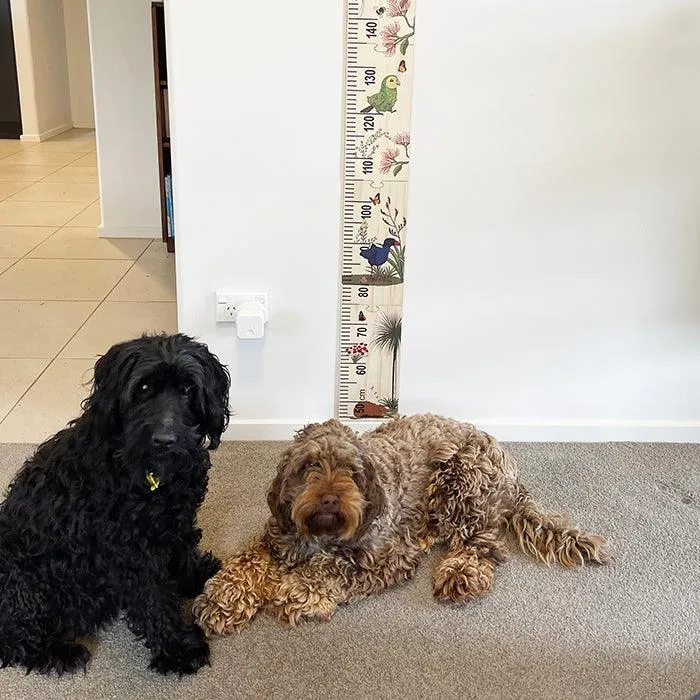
<point x="128" y="232"/>
<point x="83" y="125"/>
<point x="642" y="431"/>
<point x="45" y="135"/>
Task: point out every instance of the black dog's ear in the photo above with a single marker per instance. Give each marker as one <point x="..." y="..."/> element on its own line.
<point x="215" y="391"/>
<point x="373" y="493"/>
<point x="107" y="386"/>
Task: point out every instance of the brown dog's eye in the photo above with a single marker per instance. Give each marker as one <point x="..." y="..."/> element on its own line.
<point x="310" y="466"/>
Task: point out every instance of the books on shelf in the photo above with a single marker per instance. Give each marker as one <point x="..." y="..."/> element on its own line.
<point x="169" y="206"/>
<point x="166" y="114"/>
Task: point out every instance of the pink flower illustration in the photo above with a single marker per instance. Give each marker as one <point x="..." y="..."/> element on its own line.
<point x="390" y="37"/>
<point x="388" y="160"/>
<point x="404" y="140"/>
<point x="396" y="8"/>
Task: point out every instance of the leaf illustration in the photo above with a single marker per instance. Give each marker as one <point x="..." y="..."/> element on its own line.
<point x="397" y="169"/>
<point x="404" y="46"/>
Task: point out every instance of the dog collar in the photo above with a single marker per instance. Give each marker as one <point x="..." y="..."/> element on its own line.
<point x="152" y="480"/>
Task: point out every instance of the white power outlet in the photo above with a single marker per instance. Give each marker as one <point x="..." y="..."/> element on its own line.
<point x="229" y="303"/>
<point x="225" y="312"/>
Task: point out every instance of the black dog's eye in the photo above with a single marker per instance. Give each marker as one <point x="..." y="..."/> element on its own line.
<point x="186" y="389"/>
<point x="144" y="387"/>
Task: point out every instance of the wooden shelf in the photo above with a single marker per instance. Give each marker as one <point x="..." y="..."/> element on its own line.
<point x="160" y="71"/>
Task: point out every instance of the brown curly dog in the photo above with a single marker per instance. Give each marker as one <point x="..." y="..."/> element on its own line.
<point x="352" y="515"/>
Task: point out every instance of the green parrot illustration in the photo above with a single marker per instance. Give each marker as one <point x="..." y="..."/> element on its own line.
<point x="385" y="99"/>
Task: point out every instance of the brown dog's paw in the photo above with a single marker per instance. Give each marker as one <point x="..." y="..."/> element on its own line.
<point x="234" y="595"/>
<point x="462" y="577"/>
<point x="224" y="608"/>
<point x="297" y="600"/>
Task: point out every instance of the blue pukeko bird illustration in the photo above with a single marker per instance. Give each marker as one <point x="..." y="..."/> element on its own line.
<point x="377" y="255"/>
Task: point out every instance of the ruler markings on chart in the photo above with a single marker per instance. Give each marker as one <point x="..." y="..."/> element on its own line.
<point x="377" y="105"/>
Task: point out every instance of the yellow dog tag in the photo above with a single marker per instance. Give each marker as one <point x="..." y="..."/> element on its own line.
<point x="152" y="480"/>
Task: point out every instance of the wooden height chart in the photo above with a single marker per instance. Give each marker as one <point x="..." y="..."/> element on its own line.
<point x="378" y="84"/>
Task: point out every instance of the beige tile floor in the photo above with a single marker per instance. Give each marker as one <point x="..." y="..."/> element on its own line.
<point x="65" y="295"/>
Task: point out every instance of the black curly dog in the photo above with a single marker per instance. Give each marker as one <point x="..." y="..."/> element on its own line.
<point x="102" y="519"/>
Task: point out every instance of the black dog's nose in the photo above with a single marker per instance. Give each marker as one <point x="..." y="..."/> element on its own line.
<point x="163" y="439"/>
<point x="330" y="500"/>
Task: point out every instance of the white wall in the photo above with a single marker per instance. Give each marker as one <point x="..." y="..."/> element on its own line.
<point x="256" y="182"/>
<point x="79" y="70"/>
<point x="125" y="116"/>
<point x="554" y="237"/>
<point x="40" y="46"/>
<point x="567" y="218"/>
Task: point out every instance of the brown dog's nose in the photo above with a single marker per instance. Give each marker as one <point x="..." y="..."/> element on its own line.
<point x="330" y="501"/>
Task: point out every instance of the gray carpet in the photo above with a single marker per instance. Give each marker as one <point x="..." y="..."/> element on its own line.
<point x="628" y="631"/>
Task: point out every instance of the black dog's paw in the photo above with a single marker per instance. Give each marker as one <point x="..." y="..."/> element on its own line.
<point x="184" y="655"/>
<point x="209" y="565"/>
<point x="192" y="584"/>
<point x="62" y="657"/>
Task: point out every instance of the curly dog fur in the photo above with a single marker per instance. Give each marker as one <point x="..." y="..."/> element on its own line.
<point x="102" y="518"/>
<point x="353" y="515"/>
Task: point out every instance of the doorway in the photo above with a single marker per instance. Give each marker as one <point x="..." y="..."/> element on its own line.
<point x="10" y="115"/>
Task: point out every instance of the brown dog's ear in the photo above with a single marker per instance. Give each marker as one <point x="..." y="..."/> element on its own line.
<point x="280" y="508"/>
<point x="373" y="493"/>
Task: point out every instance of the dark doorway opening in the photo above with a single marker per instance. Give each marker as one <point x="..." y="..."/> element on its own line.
<point x="10" y="115"/>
